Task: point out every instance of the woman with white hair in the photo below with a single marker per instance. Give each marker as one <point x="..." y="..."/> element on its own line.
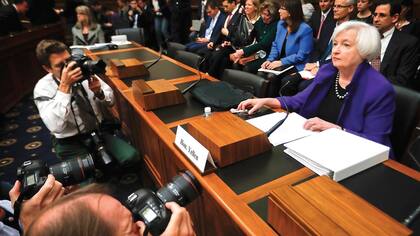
<point x="348" y="93"/>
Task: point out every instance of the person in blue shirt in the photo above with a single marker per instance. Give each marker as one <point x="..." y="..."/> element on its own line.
<point x="292" y="45"/>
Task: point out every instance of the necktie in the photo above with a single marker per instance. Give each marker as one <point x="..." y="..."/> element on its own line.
<point x="228" y="19"/>
<point x="320" y="26"/>
<point x="86" y="112"/>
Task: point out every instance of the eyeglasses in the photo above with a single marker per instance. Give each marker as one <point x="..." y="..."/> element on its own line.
<point x="340" y="6"/>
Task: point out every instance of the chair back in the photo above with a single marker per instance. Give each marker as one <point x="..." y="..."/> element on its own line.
<point x="246" y="81"/>
<point x="188" y="58"/>
<point x="173" y="48"/>
<point x="133" y="34"/>
<point x="406" y="118"/>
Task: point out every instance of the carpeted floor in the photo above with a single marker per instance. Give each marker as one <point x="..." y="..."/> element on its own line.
<point x="23" y="136"/>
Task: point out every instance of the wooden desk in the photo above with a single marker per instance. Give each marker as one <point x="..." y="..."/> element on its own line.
<point x="232" y="202"/>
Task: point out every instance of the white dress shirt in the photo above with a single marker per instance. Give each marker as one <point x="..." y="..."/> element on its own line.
<point x="56" y="112"/>
<point x="385" y="41"/>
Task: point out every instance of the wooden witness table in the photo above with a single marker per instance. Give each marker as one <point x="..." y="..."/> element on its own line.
<point x="234" y="198"/>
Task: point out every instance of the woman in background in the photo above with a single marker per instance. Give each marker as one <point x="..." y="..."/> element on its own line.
<point x="86" y="31"/>
<point x="292" y="45"/>
<point x="363" y="11"/>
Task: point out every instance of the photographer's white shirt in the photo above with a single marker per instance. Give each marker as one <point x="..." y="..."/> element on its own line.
<point x="55" y="110"/>
<point x="6" y="230"/>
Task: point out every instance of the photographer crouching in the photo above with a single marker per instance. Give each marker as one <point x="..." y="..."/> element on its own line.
<point x="70" y="98"/>
<point x="92" y="211"/>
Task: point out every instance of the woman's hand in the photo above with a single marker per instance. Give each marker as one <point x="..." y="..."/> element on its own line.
<point x="273" y="65"/>
<point x="265" y="64"/>
<point x="317" y="124"/>
<point x="256" y="103"/>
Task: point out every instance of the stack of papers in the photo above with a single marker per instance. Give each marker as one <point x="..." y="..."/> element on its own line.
<point x="336" y="153"/>
<point x="276" y="72"/>
<point x="290" y="130"/>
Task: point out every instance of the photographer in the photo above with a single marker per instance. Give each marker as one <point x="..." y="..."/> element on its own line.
<point x="69" y="104"/>
<point x="29" y="210"/>
<point x="90" y="211"/>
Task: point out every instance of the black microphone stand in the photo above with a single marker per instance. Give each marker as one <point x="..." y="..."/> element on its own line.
<point x="278" y="124"/>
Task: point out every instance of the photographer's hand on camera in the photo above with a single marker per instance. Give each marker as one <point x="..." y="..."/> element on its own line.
<point x="180" y="223"/>
<point x="30" y="208"/>
<point x="95" y="87"/>
<point x="69" y="75"/>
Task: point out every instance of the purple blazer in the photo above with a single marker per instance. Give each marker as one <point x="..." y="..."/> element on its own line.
<point x="368" y="109"/>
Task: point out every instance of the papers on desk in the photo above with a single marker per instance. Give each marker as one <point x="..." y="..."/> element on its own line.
<point x="290" y="130"/>
<point x="276" y="72"/>
<point x="336" y="153"/>
<point x="97" y="46"/>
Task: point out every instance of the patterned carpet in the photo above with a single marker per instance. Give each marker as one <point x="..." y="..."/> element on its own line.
<point x="23" y="136"/>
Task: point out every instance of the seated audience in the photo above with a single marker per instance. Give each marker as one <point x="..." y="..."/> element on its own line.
<point x="322" y="47"/>
<point x="86" y="31"/>
<point x="346" y="94"/>
<point x="217" y="52"/>
<point x="161" y="15"/>
<point x="406" y="22"/>
<point x="9" y="17"/>
<point x="60" y="97"/>
<point x="265" y="32"/>
<point x="210" y="30"/>
<point x="363" y="11"/>
<point x="399" y="57"/>
<point x="292" y="45"/>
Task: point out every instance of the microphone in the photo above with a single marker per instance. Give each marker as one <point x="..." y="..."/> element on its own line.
<point x="199" y="77"/>
<point x="278" y="124"/>
<point x="407" y="221"/>
<point x="163" y="47"/>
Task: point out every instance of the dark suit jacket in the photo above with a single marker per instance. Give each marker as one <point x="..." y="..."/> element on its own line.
<point x="164" y="8"/>
<point x="327" y="30"/>
<point x="401" y="59"/>
<point x="232" y="26"/>
<point x="9" y="20"/>
<point x="217" y="27"/>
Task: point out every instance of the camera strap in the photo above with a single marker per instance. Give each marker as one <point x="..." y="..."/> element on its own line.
<point x="17" y="206"/>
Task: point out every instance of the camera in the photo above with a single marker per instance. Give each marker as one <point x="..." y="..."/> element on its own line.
<point x="34" y="173"/>
<point x="149" y="207"/>
<point x="88" y="66"/>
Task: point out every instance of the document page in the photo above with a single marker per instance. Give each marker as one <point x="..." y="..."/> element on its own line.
<point x="276" y="72"/>
<point x="290" y="130"/>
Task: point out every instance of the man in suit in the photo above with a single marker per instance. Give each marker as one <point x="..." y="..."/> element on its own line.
<point x="211" y="29"/>
<point x="399" y="51"/>
<point x="9" y="17"/>
<point x="221" y="48"/>
<point x="323" y="24"/>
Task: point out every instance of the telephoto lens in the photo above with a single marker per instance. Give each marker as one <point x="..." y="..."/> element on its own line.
<point x="73" y="171"/>
<point x="149" y="207"/>
<point x="34" y="173"/>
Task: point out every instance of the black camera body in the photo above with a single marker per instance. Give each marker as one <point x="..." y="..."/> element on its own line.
<point x="88" y="66"/>
<point x="34" y="173"/>
<point x="149" y="207"/>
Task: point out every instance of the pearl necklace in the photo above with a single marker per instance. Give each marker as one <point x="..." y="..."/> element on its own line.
<point x="341" y="97"/>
